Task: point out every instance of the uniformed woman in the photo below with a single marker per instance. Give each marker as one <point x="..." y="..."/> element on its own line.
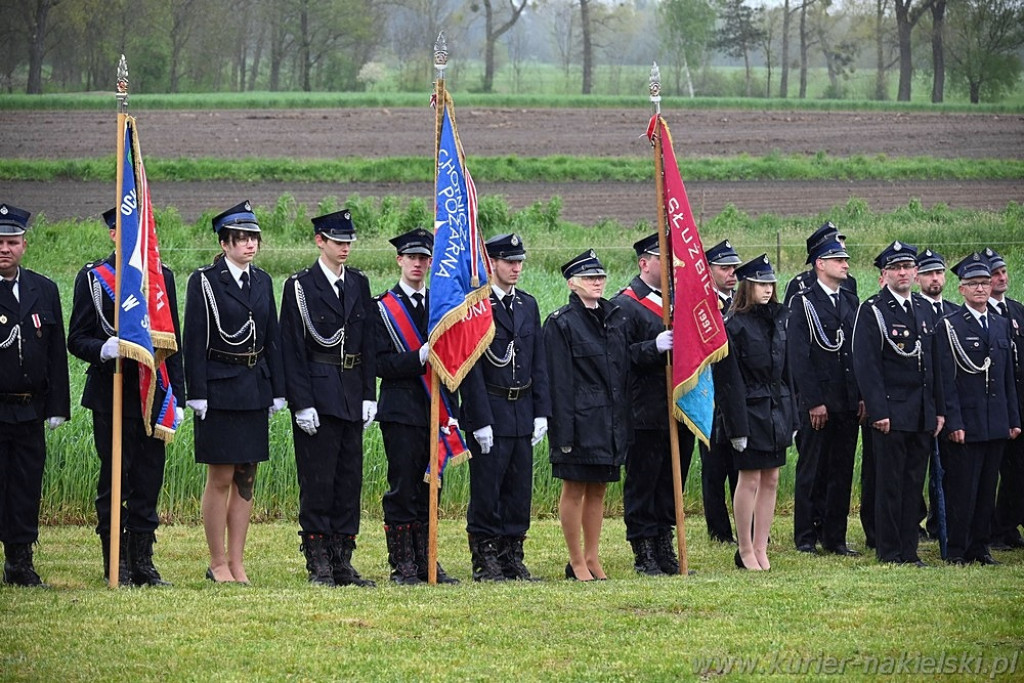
<point x="587" y="343"/>
<point x="235" y="382"/>
<point x="753" y="388"/>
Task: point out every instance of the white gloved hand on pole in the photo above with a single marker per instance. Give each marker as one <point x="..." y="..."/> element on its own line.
<point x="424" y="353"/>
<point x="109" y="350"/>
<point x="664" y="341"/>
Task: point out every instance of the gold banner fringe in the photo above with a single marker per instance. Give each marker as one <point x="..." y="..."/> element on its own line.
<point x="452" y="381"/>
<point x="688" y="385"/>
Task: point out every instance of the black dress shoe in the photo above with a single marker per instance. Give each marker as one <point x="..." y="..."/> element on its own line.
<point x="725" y="540"/>
<point x="956" y="561"/>
<point x="807" y="548"/>
<point x="844" y="550"/>
<point x="1015" y="541"/>
<point x="986" y="560"/>
<point x="917" y="563"/>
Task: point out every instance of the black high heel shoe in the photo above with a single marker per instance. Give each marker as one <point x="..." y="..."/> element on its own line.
<point x="569" y="573"/>
<point x="739" y="561"/>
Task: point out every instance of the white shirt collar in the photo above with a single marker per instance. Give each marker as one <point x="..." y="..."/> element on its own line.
<point x="500" y="293"/>
<point x="409" y="291"/>
<point x="329" y="274"/>
<point x="931" y="300"/>
<point x="977" y="314"/>
<point x="824" y="287"/>
<point x="994" y="302"/>
<point x="901" y="300"/>
<point x="236" y="272"/>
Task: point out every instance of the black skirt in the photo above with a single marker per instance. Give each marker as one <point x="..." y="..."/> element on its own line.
<point x="750" y="459"/>
<point x="570" y="471"/>
<point x="232" y="437"/>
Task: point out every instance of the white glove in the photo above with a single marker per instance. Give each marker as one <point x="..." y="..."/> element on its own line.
<point x="109" y="350"/>
<point x="308" y="420"/>
<point x="485" y="437"/>
<point x="424" y="352"/>
<point x="452" y="424"/>
<point x="664" y="341"/>
<point x="54" y="422"/>
<point x="540" y="428"/>
<point x="369" y="413"/>
<point x="277" y="406"/>
<point x="179" y="415"/>
<point x="739" y="444"/>
<point x="198" y="406"/>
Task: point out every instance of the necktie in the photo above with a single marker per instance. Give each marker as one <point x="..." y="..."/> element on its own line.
<point x="984" y="322"/>
<point x="835" y="300"/>
<point x="907" y="307"/>
<point x="507" y="301"/>
<point x="7" y="293"/>
<point x="417" y="309"/>
<point x="727" y="304"/>
<point x="1002" y="308"/>
<point x="244" y="277"/>
<point x="938" y="308"/>
<point x="340" y="286"/>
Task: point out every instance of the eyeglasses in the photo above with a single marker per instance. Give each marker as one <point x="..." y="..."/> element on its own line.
<point x="901" y="266"/>
<point x="976" y="284"/>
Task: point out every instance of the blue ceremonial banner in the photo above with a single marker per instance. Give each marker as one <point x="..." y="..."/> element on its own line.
<point x="133" y="325"/>
<point x="461" y="323"/>
<point x="698" y="405"/>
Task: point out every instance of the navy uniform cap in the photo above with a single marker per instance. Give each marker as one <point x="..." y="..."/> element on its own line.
<point x="722" y="254"/>
<point x="238" y="217"/>
<point x="648" y="245"/>
<point x="757" y="270"/>
<point x="995" y="261"/>
<point x="13" y="221"/>
<point x="828" y="248"/>
<point x="507" y="247"/>
<point x="585" y="264"/>
<point x="929" y="261"/>
<point x="897" y="252"/>
<point x="827" y="232"/>
<point x="417" y="241"/>
<point x="972" y="265"/>
<point x="110" y="218"/>
<point x="335" y="226"/>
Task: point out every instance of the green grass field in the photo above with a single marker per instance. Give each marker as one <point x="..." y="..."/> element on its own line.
<point x="815" y="616"/>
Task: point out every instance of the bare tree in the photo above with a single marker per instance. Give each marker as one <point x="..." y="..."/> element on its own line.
<point x="586" y="34"/>
<point x="938" y="52"/>
<point x="906" y="18"/>
<point x="493" y="32"/>
<point x="37" y="13"/>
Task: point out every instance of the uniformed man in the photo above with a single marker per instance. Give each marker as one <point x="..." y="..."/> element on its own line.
<point x="981" y="412"/>
<point x="648" y="496"/>
<point x="1009" y="513"/>
<point x="931" y="281"/>
<point x="807" y="278"/>
<point x="404" y="409"/>
<point x="327" y="320"/>
<point x="92" y="337"/>
<point x="894" y="362"/>
<point x="506" y="403"/>
<point x="33" y="390"/>
<point x="820" y="343"/>
<point x="716" y="461"/>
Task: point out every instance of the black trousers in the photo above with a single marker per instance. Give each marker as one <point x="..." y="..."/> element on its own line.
<point x="900" y="461"/>
<point x="22" y="460"/>
<point x="972" y="470"/>
<point x="648" y="499"/>
<point x="330" y="472"/>
<point x="408" y="497"/>
<point x="1009" y="512"/>
<point x="142" y="474"/>
<point x="717" y="467"/>
<point x="824" y="479"/>
<point x="867" y="484"/>
<point x="500" y="487"/>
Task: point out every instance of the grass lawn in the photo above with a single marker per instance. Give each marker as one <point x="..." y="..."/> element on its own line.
<point x="814" y="615"/>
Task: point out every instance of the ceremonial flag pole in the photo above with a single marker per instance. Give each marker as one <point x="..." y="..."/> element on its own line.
<point x="664" y="243"/>
<point x="117" y="416"/>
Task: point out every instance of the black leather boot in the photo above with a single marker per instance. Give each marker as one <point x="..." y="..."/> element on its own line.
<point x="318" y="564"/>
<point x="643" y="553"/>
<point x="18" y="567"/>
<point x="510" y="556"/>
<point x="341" y="563"/>
<point x="143" y="572"/>
<point x="665" y="553"/>
<point x="401" y="554"/>
<point x="484" y="552"/>
<point x="421" y="538"/>
<point x="124" y="572"/>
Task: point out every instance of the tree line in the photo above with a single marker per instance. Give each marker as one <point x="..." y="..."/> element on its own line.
<point x="350" y="45"/>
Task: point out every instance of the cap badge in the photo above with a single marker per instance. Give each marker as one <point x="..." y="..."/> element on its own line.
<point x="896" y="246"/>
<point x="728" y="246"/>
<point x="347" y="216"/>
<point x="3" y="210"/>
<point x="592" y="254"/>
<point x="976" y="257"/>
<point x="765" y="259"/>
<point x="248" y="207"/>
<point x="515" y="241"/>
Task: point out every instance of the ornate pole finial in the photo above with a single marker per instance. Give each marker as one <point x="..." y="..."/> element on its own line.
<point x="655" y="88"/>
<point x="440" y="54"/>
<point x="122" y="86"/>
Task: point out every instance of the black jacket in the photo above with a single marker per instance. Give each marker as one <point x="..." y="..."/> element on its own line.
<point x="983" y="404"/>
<point x="752" y="383"/>
<point x="229" y="386"/>
<point x="822" y="376"/>
<point x="528" y="366"/>
<point x="588" y="358"/>
<point x="87" y="334"/>
<point x="1015" y="317"/>
<point x="902" y="389"/>
<point x="310" y="380"/>
<point x="648" y="396"/>
<point x="42" y="369"/>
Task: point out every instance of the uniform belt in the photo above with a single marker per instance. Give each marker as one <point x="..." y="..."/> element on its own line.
<point x="346" y="362"/>
<point x="509" y="393"/>
<point x="16" y="399"/>
<point x="247" y="359"/>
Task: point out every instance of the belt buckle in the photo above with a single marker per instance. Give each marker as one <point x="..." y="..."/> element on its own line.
<point x="513" y="393"/>
<point x="251" y="360"/>
<point x="348" y="361"/>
